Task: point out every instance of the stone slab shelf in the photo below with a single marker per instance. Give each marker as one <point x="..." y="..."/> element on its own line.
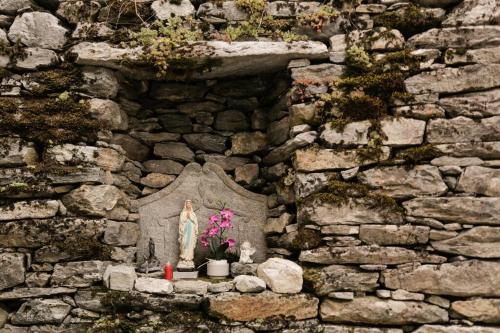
<point x="232" y="59"/>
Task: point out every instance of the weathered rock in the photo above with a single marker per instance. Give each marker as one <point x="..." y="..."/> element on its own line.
<point x="320" y="74"/>
<point x="277" y="225"/>
<point x="164" y="166"/>
<point x="480" y="180"/>
<point x="458" y="209"/>
<point x="358" y="329"/>
<point x="247" y="173"/>
<point x="233" y="121"/>
<point x="338" y="278"/>
<point x="448" y="162"/>
<point x="174" y="150"/>
<point x="154" y="286"/>
<point x="248" y="307"/>
<point x="308" y="114"/>
<point x="309" y="183"/>
<point x="393" y="234"/>
<point x="121" y="233"/>
<point x="100" y="82"/>
<point x="248" y="143"/>
<point x="228" y="163"/>
<point x="37" y="58"/>
<point x="176" y="123"/>
<point x="402" y="182"/>
<point x="476" y="104"/>
<point x="78" y="274"/>
<point x="249" y="284"/>
<point x="22" y="293"/>
<point x="106" y="158"/>
<point x="193" y="108"/>
<point x="403" y="295"/>
<point x="482" y="310"/>
<point x="157" y="180"/>
<point x="281" y="275"/>
<point x="480" y="242"/>
<point x="10" y="7"/>
<point x="37" y="209"/>
<point x="284" y="152"/>
<point x="485" y="150"/>
<point x="457" y="37"/>
<point x="164" y="9"/>
<point x="41" y="311"/>
<point x="420" y="111"/>
<point x="78" y="11"/>
<point x="243" y="269"/>
<point x="477" y="56"/>
<point x="16" y="153"/>
<point x="456" y="329"/>
<point x="473" y="12"/>
<point x="178" y="92"/>
<point x="311" y="160"/>
<point x="109" y="114"/>
<point x="221" y="287"/>
<point x="38" y="29"/>
<point x="455" y="80"/>
<point x="101" y="200"/>
<point x="206" y="142"/>
<point x="366" y="254"/>
<point x="197" y="287"/>
<point x="462" y="129"/>
<point x="374" y="311"/>
<point x="134" y="149"/>
<point x="13" y="270"/>
<point x="462" y="278"/>
<point x="119" y="277"/>
<point x="352" y="211"/>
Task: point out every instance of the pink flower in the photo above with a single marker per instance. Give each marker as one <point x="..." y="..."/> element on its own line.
<point x="213" y="219"/>
<point x="226" y="224"/>
<point x="204" y="241"/>
<point x="214" y="231"/>
<point x="231" y="242"/>
<point x="226" y="214"/>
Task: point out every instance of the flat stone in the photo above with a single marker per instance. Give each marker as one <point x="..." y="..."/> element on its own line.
<point x="243" y="269"/>
<point x="100" y="200"/>
<point x="281" y="275"/>
<point x="154" y="286"/>
<point x="157" y="180"/>
<point x="177" y="92"/>
<point x="473" y="12"/>
<point x="206" y="142"/>
<point x="41" y="311"/>
<point x="164" y="166"/>
<point x="420" y="111"/>
<point x="221" y="287"/>
<point x="197" y="287"/>
<point x="249" y="284"/>
<point x="456" y="329"/>
<point x="354" y="211"/>
<point x="248" y="143"/>
<point x="10" y="7"/>
<point x="78" y="274"/>
<point x="457" y="37"/>
<point x="310" y="160"/>
<point x="233" y="121"/>
<point x="374" y="311"/>
<point x="247" y="173"/>
<point x="277" y="225"/>
<point x="321" y="74"/>
<point x="308" y="183"/>
<point x="100" y="82"/>
<point x="119" y="277"/>
<point x="357" y="329"/>
<point x="479" y="242"/>
<point x="455" y="80"/>
<point x="134" y="149"/>
<point x="393" y="234"/>
<point x="458" y="209"/>
<point x="326" y="280"/>
<point x="366" y="254"/>
<point x="121" y="233"/>
<point x="13" y="269"/>
<point x="461" y="278"/>
<point x="401" y="182"/>
<point x="106" y="158"/>
<point x="484" y="150"/>
<point x="16" y="153"/>
<point x="22" y="293"/>
<point x="304" y="114"/>
<point x="403" y="295"/>
<point x="456" y="161"/>
<point x="109" y="114"/>
<point x="164" y="9"/>
<point x="438" y="300"/>
<point x="36" y="58"/>
<point x="462" y="129"/>
<point x="228" y="163"/>
<point x="247" y="307"/>
<point x="284" y="151"/>
<point x="343" y="230"/>
<point x="478" y="56"/>
<point x="37" y="209"/>
<point x="174" y="150"/>
<point x="38" y="29"/>
<point x="395" y="129"/>
<point x="479" y="310"/>
<point x="176" y="123"/>
<point x="475" y="104"/>
<point x="480" y="180"/>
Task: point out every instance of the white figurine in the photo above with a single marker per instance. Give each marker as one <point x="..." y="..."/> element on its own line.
<point x="188" y="234"/>
<point x="246" y="250"/>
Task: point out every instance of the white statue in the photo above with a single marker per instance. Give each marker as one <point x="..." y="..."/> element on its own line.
<point x="246" y="250"/>
<point x="188" y="235"/>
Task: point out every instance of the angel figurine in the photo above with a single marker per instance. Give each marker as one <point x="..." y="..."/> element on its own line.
<point x="246" y="251"/>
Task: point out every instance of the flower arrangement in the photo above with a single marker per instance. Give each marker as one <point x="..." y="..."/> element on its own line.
<point x="214" y="235"/>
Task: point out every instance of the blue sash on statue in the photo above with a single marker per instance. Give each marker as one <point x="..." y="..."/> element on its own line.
<point x="188" y="229"/>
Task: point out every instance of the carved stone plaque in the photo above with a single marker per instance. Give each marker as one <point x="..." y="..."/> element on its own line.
<point x="207" y="187"/>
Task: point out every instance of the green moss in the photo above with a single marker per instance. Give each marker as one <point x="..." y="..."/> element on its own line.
<point x="357" y="107"/>
<point x="380" y="85"/>
<point x="324" y="15"/>
<point x="252" y="6"/>
<point x="423" y="153"/>
<point x="306" y="239"/>
<point x="114" y="324"/>
<point x="83" y="248"/>
<point x="357" y="59"/>
<point x="55" y="80"/>
<point x="409" y="21"/>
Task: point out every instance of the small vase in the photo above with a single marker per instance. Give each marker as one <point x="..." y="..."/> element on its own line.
<point x="217" y="269"/>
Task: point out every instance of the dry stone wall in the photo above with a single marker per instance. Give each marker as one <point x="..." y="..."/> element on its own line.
<point x="376" y="141"/>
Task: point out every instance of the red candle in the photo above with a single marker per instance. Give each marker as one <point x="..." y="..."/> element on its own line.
<point x="169" y="271"/>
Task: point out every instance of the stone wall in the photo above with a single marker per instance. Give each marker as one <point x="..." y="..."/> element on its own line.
<point x="377" y="142"/>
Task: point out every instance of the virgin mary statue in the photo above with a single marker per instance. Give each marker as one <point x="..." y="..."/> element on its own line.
<point x="188" y="235"/>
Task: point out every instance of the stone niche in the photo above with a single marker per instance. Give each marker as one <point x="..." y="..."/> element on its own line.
<point x="208" y="187"/>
